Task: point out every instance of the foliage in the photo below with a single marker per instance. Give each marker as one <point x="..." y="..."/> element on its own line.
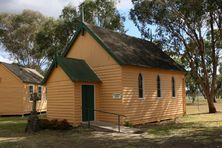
<point x="54" y="124"/>
<point x="190" y="28"/>
<point x="17" y="34"/>
<point x="192" y="87"/>
<point x="33" y="39"/>
<point x="103" y="13"/>
<point x="55" y="34"/>
<point x="219" y="87"/>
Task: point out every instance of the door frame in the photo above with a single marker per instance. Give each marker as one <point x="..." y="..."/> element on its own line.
<point x="94" y="89"/>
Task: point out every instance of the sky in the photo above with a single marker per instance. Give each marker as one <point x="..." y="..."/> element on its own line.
<point x="53" y="8"/>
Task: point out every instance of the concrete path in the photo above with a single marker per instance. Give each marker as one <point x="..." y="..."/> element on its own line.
<point x="113" y="127"/>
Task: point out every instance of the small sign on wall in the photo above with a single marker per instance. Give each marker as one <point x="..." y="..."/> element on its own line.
<point x="117" y="96"/>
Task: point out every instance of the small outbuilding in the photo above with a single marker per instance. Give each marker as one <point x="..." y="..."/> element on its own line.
<point x="102" y="72"/>
<point x="17" y="83"/>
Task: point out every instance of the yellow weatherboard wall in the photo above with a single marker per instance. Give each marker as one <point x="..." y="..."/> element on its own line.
<point x="14" y="98"/>
<point x="106" y="68"/>
<point x="60" y="95"/>
<point x="65" y="100"/>
<point x="152" y="108"/>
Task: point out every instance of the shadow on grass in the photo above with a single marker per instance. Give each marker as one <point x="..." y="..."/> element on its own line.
<point x="188" y="134"/>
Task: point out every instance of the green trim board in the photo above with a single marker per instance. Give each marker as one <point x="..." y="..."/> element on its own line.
<point x="49" y="72"/>
<point x="69" y="44"/>
<point x="75" y="69"/>
<point x="125" y="50"/>
<point x="99" y="40"/>
<point x="96" y="37"/>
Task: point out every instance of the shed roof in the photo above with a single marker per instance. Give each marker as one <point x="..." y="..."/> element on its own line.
<point x="76" y="69"/>
<point x="26" y="75"/>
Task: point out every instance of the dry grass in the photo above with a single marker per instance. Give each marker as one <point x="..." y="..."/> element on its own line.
<point x="200" y="106"/>
<point x="197" y="129"/>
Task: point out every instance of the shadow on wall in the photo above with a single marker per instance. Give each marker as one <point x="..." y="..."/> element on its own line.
<point x="152" y="108"/>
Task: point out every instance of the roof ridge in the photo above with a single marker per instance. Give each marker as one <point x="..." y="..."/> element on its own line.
<point x="120" y="33"/>
<point x="70" y="58"/>
<point x="25" y="74"/>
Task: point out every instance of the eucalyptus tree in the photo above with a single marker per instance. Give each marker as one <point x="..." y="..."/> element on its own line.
<point x="17" y="35"/>
<point x="192" y="29"/>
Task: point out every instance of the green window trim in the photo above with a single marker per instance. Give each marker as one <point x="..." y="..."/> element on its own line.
<point x="158" y="86"/>
<point x="173" y="87"/>
<point x="140" y="86"/>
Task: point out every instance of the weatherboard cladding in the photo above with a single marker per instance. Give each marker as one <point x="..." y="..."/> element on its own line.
<point x="77" y="69"/>
<point x="133" y="51"/>
<point x="26" y="75"/>
<point x="125" y="50"/>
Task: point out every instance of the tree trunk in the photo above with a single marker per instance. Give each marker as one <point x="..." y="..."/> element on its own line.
<point x="215" y="101"/>
<point x="211" y="106"/>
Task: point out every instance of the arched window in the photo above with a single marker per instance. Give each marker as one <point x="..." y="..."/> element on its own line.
<point x="140" y="85"/>
<point x="173" y="87"/>
<point x="158" y="86"/>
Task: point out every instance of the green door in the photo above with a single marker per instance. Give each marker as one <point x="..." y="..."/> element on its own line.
<point x="87" y="102"/>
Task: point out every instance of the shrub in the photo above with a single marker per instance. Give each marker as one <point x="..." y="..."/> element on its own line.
<point x="54" y="124"/>
<point x="128" y="124"/>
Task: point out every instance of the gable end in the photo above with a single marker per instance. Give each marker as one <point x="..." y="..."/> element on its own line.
<point x="83" y="28"/>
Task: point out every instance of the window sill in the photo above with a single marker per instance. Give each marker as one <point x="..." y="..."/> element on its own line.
<point x="141" y="98"/>
<point x="36" y="101"/>
<point x="159" y="97"/>
<point x="173" y="97"/>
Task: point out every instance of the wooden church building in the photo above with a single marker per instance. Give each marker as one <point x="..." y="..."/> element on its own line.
<point x="102" y="72"/>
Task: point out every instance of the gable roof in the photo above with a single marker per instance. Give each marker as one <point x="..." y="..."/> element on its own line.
<point x="76" y="69"/>
<point x="26" y="75"/>
<point x="127" y="50"/>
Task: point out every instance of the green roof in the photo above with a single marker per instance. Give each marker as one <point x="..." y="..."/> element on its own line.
<point x="76" y="70"/>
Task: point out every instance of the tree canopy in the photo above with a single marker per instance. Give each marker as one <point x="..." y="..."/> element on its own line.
<point x="190" y="28"/>
<point x="55" y="34"/>
<point x="33" y="39"/>
<point x="17" y="35"/>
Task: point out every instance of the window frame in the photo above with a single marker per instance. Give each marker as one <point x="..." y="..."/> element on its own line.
<point x="158" y="88"/>
<point x="30" y="93"/>
<point x="31" y="85"/>
<point x="140" y="86"/>
<point x="173" y="87"/>
<point x="39" y="86"/>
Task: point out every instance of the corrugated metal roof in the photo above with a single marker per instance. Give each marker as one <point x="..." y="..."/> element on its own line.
<point x="25" y="74"/>
<point x="77" y="69"/>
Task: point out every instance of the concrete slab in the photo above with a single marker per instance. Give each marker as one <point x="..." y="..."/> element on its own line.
<point x="113" y="127"/>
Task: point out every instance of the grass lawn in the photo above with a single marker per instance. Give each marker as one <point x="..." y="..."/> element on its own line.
<point x="197" y="129"/>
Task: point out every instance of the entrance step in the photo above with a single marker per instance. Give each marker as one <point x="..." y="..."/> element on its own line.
<point x="113" y="127"/>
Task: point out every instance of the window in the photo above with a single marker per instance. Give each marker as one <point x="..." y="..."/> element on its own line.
<point x="140" y="85"/>
<point x="40" y="91"/>
<point x="158" y="86"/>
<point x="31" y="89"/>
<point x="173" y="87"/>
